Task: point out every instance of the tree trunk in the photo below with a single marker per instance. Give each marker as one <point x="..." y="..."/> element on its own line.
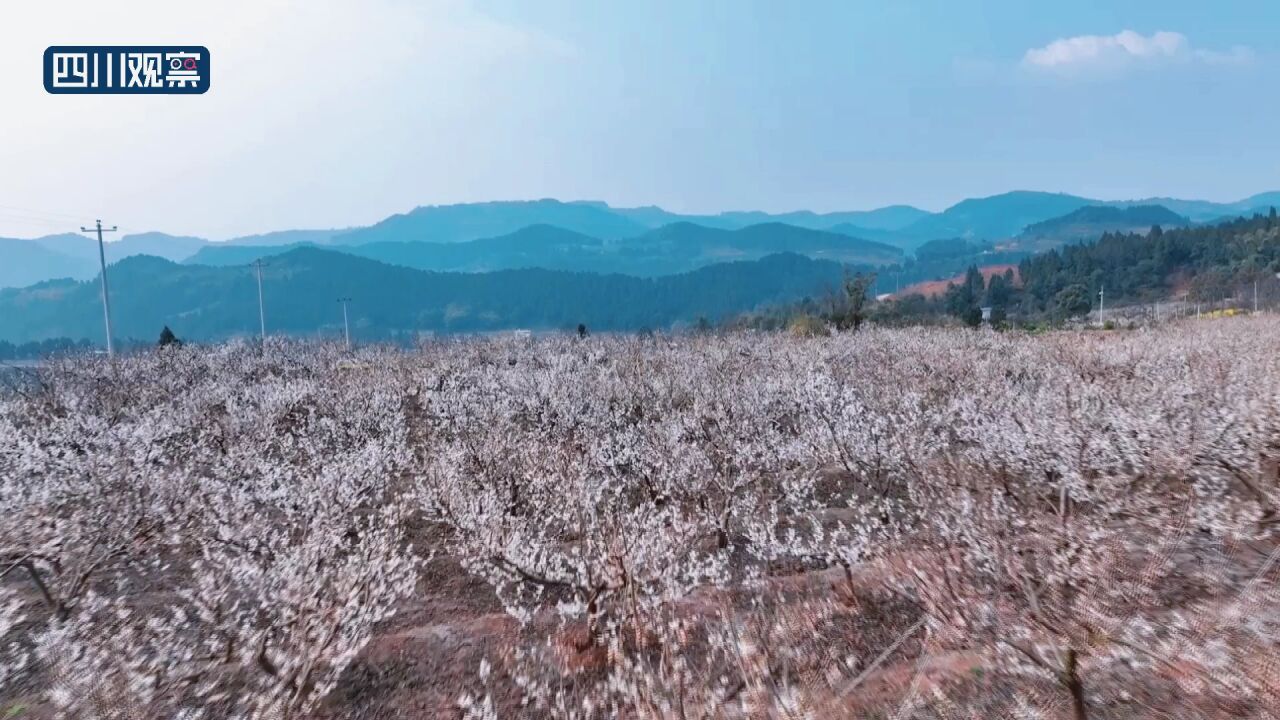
<point x="1073" y="683"/>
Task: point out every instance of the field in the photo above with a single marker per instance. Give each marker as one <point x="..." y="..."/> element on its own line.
<point x="888" y="524"/>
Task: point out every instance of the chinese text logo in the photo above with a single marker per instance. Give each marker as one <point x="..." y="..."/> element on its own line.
<point x="179" y="69"/>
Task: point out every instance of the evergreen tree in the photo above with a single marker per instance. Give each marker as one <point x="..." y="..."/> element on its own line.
<point x="1073" y="301"/>
<point x="999" y="317"/>
<point x="999" y="291"/>
<point x="167" y="338"/>
<point x="964" y="301"/>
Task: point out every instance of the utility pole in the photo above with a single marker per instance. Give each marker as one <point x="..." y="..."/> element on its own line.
<point x="106" y="300"/>
<point x="1102" y="309"/>
<point x="346" y="325"/>
<point x="262" y="316"/>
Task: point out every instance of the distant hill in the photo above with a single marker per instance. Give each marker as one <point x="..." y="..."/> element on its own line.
<point x="289" y="237"/>
<point x="460" y="223"/>
<point x="71" y="255"/>
<point x="26" y="262"/>
<point x="949" y="249"/>
<point x="1202" y="211"/>
<point x="1001" y="217"/>
<point x="473" y="221"/>
<point x="205" y="303"/>
<point x="227" y="254"/>
<point x="896" y="238"/>
<point x="536" y="246"/>
<point x="892" y="217"/>
<point x="993" y="218"/>
<point x="669" y="250"/>
<point x="687" y="242"/>
<point x="1091" y="221"/>
<point x="1203" y="263"/>
<point x="85" y="247"/>
<point x="989" y="220"/>
<point x="885" y="218"/>
<point x="169" y="247"/>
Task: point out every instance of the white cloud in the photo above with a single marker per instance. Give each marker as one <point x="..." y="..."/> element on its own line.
<point x="1126" y="48"/>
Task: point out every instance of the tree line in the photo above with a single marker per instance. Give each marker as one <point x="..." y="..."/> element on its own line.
<point x="1203" y="264"/>
<point x="1198" y="264"/>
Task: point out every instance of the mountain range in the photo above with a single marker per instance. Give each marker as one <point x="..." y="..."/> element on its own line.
<point x="208" y="303"/>
<point x="989" y="219"/>
<point x="676" y="248"/>
<point x="1091" y="221"/>
<point x="596" y="261"/>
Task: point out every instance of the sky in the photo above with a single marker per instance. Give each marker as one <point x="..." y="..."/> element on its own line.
<point x="335" y="113"/>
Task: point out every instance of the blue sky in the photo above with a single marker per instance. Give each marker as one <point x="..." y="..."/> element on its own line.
<point x="334" y="113"/>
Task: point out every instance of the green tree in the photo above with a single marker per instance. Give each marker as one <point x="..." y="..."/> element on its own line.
<point x="965" y="300"/>
<point x="999" y="291"/>
<point x="850" y="311"/>
<point x="999" y="317"/>
<point x="1073" y="301"/>
<point x="167" y="338"/>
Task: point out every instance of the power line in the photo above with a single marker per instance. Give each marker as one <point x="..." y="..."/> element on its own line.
<point x="106" y="298"/>
<point x="346" y="326"/>
<point x="262" y="316"/>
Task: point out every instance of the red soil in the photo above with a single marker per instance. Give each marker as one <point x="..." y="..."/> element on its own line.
<point x="934" y="288"/>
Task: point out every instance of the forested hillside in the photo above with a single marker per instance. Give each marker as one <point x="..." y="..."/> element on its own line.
<point x="672" y="249"/>
<point x="300" y="287"/>
<point x="1205" y="261"/>
<point x="1206" y="264"/>
<point x="1091" y="222"/>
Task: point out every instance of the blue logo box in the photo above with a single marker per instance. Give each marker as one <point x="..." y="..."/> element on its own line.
<point x="126" y="69"/>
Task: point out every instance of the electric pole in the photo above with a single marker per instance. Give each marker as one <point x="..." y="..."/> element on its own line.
<point x="262" y="316"/>
<point x="106" y="300"/>
<point x="1102" y="309"/>
<point x="346" y="325"/>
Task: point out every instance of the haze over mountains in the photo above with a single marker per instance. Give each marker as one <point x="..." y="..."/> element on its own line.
<point x="1090" y="222"/>
<point x="202" y="302"/>
<point x="982" y="219"/>
<point x="675" y="248"/>
<point x="490" y="249"/>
